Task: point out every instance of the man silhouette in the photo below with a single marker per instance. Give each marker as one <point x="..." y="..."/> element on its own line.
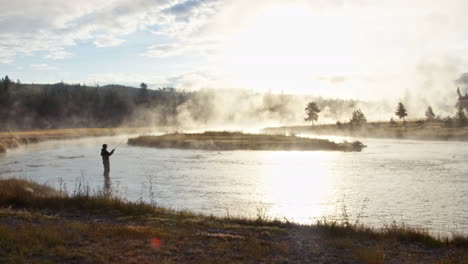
<point x="105" y="159"/>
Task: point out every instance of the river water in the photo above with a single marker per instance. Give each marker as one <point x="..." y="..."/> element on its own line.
<point x="418" y="183"/>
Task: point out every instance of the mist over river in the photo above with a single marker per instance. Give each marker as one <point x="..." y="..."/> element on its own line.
<point x="419" y="183"/>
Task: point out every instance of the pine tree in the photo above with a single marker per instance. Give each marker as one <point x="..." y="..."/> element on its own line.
<point x="401" y="112"/>
<point x="358" y="119"/>
<point x="143" y="95"/>
<point x="312" y="111"/>
<point x="460" y="117"/>
<point x="430" y="116"/>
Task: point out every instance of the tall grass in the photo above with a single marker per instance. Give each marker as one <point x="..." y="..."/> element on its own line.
<point x="345" y="227"/>
<point x="16" y="193"/>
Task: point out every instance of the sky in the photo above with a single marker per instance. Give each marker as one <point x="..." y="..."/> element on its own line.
<point x="361" y="49"/>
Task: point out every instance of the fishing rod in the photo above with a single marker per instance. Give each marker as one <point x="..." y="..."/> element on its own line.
<point x="121" y="142"/>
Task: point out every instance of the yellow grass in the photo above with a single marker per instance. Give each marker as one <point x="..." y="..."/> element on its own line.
<point x="14" y="139"/>
<point x="419" y="130"/>
<point x="240" y="141"/>
<point x="95" y="229"/>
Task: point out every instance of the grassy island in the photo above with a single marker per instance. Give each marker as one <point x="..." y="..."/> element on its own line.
<point x="241" y="141"/>
<point x="41" y="225"/>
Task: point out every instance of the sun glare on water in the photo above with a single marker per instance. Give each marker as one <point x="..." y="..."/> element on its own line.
<point x="299" y="183"/>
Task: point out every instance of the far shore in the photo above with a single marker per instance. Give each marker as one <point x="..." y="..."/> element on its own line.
<point x="14" y="139"/>
<point x="415" y="130"/>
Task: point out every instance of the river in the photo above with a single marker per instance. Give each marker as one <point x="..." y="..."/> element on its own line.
<point x="418" y="183"/>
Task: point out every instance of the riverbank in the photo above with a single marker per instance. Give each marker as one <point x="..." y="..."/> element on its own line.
<point x="416" y="130"/>
<point x="14" y="139"/>
<point x="41" y="225"/>
<point x="240" y="141"/>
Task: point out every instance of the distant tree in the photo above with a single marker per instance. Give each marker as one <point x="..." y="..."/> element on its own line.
<point x="143" y="96"/>
<point x="339" y="125"/>
<point x="401" y="112"/>
<point x="358" y="119"/>
<point x="430" y="116"/>
<point x="392" y="122"/>
<point x="448" y="121"/>
<point x="5" y="84"/>
<point x="460" y="116"/>
<point x="312" y="111"/>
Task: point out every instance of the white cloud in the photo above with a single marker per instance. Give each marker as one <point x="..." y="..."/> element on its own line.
<point x="58" y="54"/>
<point x="107" y="41"/>
<point x="195" y="47"/>
<point x="54" y="25"/>
<point x="166" y="50"/>
<point x="322" y="49"/>
<point x="43" y="67"/>
<point x="184" y="80"/>
<point x="128" y="79"/>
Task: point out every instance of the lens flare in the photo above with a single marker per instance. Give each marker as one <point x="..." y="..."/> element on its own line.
<point x="156" y="242"/>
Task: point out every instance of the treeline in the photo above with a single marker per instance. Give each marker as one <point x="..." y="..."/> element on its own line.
<point x="359" y="120"/>
<point x="29" y="106"/>
<point x="61" y="105"/>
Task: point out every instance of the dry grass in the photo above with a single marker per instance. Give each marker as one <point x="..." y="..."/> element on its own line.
<point x="44" y="226"/>
<point x="419" y="130"/>
<point x="240" y="141"/>
<point x="14" y="139"/>
<point x="396" y="232"/>
<point x="370" y="255"/>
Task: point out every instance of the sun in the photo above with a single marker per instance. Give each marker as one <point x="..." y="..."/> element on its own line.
<point x="289" y="45"/>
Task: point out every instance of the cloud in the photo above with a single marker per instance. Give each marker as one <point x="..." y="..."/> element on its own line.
<point x="347" y="48"/>
<point x="183" y="80"/>
<point x="43" y="67"/>
<point x="58" y="54"/>
<point x="132" y="79"/>
<point x="186" y="7"/>
<point x="206" y="47"/>
<point x="166" y="50"/>
<point x="463" y="79"/>
<point x="54" y="25"/>
<point x="106" y="40"/>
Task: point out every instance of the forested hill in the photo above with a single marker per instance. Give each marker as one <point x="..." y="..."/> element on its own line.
<point x="27" y="106"/>
<point x="61" y="105"/>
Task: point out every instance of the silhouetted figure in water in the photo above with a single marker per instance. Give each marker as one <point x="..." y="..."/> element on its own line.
<point x="105" y="159"/>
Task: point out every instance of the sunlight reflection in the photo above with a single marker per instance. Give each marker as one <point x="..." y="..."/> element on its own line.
<point x="299" y="183"/>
